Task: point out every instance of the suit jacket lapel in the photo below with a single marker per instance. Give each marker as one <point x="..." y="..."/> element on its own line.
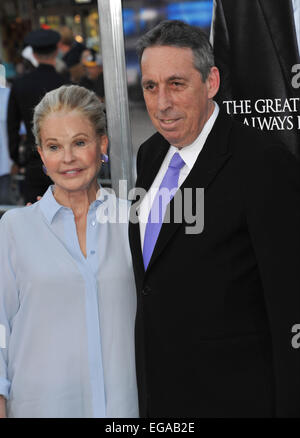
<point x="211" y="159"/>
<point x="144" y="181"/>
<point x="146" y="178"/>
<point x="280" y="21"/>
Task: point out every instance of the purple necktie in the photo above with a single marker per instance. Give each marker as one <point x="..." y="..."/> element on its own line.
<point x="164" y="195"/>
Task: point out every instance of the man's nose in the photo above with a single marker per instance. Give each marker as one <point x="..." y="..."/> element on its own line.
<point x="164" y="99"/>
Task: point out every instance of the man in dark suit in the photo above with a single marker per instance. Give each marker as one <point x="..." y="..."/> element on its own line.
<point x="257" y="53"/>
<point x="217" y="310"/>
<point x="26" y="93"/>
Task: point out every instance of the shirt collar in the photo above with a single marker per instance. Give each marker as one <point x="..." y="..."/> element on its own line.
<point x="43" y="66"/>
<point x="103" y="195"/>
<point x="296" y="5"/>
<point x="190" y="153"/>
<point x="50" y="206"/>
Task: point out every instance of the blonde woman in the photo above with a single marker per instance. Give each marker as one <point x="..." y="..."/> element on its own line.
<point x="67" y="294"/>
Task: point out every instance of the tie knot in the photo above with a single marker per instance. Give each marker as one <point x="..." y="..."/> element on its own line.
<point x="176" y="161"/>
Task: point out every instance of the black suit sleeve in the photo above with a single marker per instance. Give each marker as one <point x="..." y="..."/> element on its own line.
<point x="138" y="160"/>
<point x="273" y="215"/>
<point x="13" y="125"/>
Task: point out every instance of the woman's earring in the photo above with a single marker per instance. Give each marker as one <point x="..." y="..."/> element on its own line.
<point x="44" y="169"/>
<point x="104" y="158"/>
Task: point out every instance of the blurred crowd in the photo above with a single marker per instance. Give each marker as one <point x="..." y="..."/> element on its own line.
<point x="49" y="59"/>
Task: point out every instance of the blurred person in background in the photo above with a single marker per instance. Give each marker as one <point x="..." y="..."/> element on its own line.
<point x="26" y="92"/>
<point x="93" y="79"/>
<point x="29" y="60"/>
<point x="69" y="53"/>
<point x="5" y="162"/>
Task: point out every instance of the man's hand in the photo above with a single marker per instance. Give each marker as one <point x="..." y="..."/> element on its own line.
<point x="14" y="170"/>
<point x="30" y="203"/>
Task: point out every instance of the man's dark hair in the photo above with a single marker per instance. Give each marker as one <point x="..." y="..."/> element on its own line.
<point x="176" y="33"/>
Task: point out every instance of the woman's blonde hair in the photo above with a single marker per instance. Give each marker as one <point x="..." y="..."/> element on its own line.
<point x="70" y="98"/>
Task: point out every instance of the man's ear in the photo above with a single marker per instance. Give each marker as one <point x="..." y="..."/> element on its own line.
<point x="213" y="82"/>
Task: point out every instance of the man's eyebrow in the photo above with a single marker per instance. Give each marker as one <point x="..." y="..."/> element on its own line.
<point x="169" y="79"/>
<point x="176" y="78"/>
<point x="147" y="82"/>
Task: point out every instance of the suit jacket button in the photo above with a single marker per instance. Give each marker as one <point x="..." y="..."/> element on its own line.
<point x="146" y="290"/>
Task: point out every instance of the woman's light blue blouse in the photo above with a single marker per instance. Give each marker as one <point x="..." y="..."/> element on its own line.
<point x="68" y="320"/>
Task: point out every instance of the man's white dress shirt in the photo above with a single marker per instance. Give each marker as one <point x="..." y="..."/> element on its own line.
<point x="189" y="154"/>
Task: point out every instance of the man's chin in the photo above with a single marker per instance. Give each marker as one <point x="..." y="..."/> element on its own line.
<point x="174" y="141"/>
<point x="170" y="136"/>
